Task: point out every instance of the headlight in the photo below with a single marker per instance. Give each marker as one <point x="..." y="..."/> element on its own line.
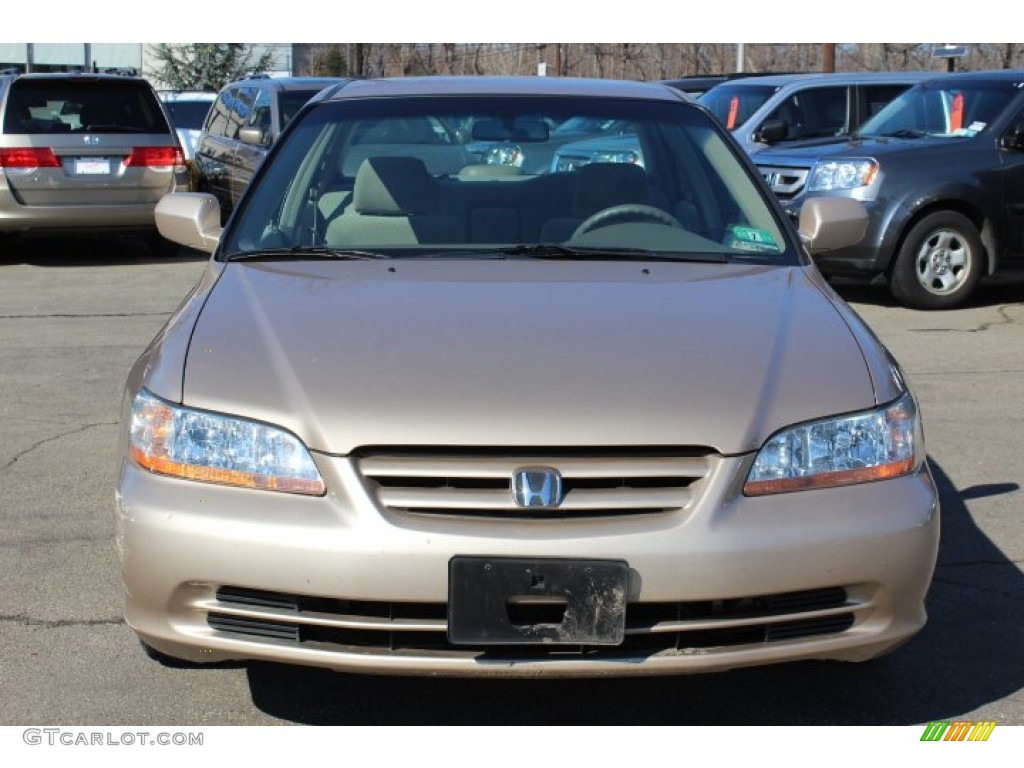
<point x="504" y="154"/>
<point x="623" y="156"/>
<point x="829" y="175"/>
<point x="199" y="445"/>
<point x="858" y="448"/>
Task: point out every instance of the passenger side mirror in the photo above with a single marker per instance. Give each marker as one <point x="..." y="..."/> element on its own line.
<point x="191" y="219"/>
<point x="830" y="223"/>
<point x="771" y="131"/>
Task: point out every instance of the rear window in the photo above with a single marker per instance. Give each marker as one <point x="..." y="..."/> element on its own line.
<point x="82" y="106"/>
<point x="187" y="114"/>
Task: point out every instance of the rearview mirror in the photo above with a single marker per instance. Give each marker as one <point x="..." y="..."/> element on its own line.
<point x="510" y="130"/>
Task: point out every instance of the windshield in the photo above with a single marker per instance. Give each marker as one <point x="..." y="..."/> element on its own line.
<point x="962" y="109"/>
<point x="389" y="177"/>
<point x="733" y="105"/>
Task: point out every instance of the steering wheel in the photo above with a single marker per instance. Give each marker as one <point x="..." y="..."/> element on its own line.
<point x="627" y="212"/>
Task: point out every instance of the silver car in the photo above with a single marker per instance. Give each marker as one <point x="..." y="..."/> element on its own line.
<point x="605" y="421"/>
<point x="85" y="153"/>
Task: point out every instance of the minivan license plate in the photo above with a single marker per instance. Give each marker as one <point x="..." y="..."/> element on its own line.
<point x="86" y="166"/>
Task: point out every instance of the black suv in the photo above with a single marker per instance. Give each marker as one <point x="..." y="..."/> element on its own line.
<point x="241" y="126"/>
<point x="941" y="171"/>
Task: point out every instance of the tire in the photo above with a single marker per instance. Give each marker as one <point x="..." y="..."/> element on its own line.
<point x="161" y="247"/>
<point x="940" y="262"/>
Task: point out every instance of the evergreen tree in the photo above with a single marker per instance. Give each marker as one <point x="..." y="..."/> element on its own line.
<point x="205" y="66"/>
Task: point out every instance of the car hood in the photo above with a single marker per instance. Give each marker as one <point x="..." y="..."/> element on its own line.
<point x="523" y="353"/>
<point x="877" y="147"/>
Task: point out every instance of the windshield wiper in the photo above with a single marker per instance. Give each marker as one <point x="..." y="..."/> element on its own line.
<point x="556" y="251"/>
<point x="304" y="253"/>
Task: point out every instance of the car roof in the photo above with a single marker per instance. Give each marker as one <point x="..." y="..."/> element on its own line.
<point x="835" y="78"/>
<point x="80" y="76"/>
<point x="502" y="86"/>
<point x="290" y="83"/>
<point x="1001" y="75"/>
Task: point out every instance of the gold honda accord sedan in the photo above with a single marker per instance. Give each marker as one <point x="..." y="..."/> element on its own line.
<point x="430" y="412"/>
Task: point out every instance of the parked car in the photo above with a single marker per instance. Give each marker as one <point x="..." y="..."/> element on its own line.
<point x="695" y="85"/>
<point x="941" y="171"/>
<point x="241" y="126"/>
<point x="534" y="153"/>
<point x="85" y="153"/>
<point x="777" y="110"/>
<point x="608" y="421"/>
<point x="766" y="110"/>
<point x="187" y="110"/>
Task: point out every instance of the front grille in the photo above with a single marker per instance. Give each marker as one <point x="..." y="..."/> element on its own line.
<point x="595" y="483"/>
<point x="786" y="183"/>
<point x="397" y="627"/>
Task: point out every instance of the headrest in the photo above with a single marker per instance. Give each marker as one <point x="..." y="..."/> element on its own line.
<point x="602" y="185"/>
<point x="394" y="186"/>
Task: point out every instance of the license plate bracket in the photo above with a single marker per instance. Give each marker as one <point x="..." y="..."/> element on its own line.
<point x="536" y="601"/>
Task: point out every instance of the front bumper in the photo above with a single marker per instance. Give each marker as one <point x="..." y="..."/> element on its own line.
<point x="215" y="573"/>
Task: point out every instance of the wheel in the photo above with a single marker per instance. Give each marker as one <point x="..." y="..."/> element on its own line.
<point x="161" y="247"/>
<point x="628" y="212"/>
<point x="940" y="262"/>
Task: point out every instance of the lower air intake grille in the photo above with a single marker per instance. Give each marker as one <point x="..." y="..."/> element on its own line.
<point x="384" y="627"/>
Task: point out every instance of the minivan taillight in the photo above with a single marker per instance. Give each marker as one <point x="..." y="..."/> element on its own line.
<point x="28" y="157"/>
<point x="155" y="156"/>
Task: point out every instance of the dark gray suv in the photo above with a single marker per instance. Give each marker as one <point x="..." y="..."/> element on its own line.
<point x="941" y="171"/>
<point x="241" y="126"/>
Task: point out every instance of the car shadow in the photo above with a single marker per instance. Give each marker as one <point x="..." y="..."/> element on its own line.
<point x="1002" y="289"/>
<point x="86" y="251"/>
<point x="968" y="655"/>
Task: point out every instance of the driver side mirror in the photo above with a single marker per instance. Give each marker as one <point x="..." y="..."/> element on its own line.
<point x="772" y="130"/>
<point x="1014" y="138"/>
<point x="253" y="136"/>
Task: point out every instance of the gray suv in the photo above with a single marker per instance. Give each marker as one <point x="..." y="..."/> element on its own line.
<point x="242" y="125"/>
<point x="941" y="171"/>
<point x="85" y="152"/>
<point x="769" y="110"/>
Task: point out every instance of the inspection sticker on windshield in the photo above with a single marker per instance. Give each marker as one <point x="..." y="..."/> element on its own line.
<point x="752" y="239"/>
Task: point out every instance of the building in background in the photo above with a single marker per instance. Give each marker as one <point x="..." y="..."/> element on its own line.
<point x="123" y="58"/>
